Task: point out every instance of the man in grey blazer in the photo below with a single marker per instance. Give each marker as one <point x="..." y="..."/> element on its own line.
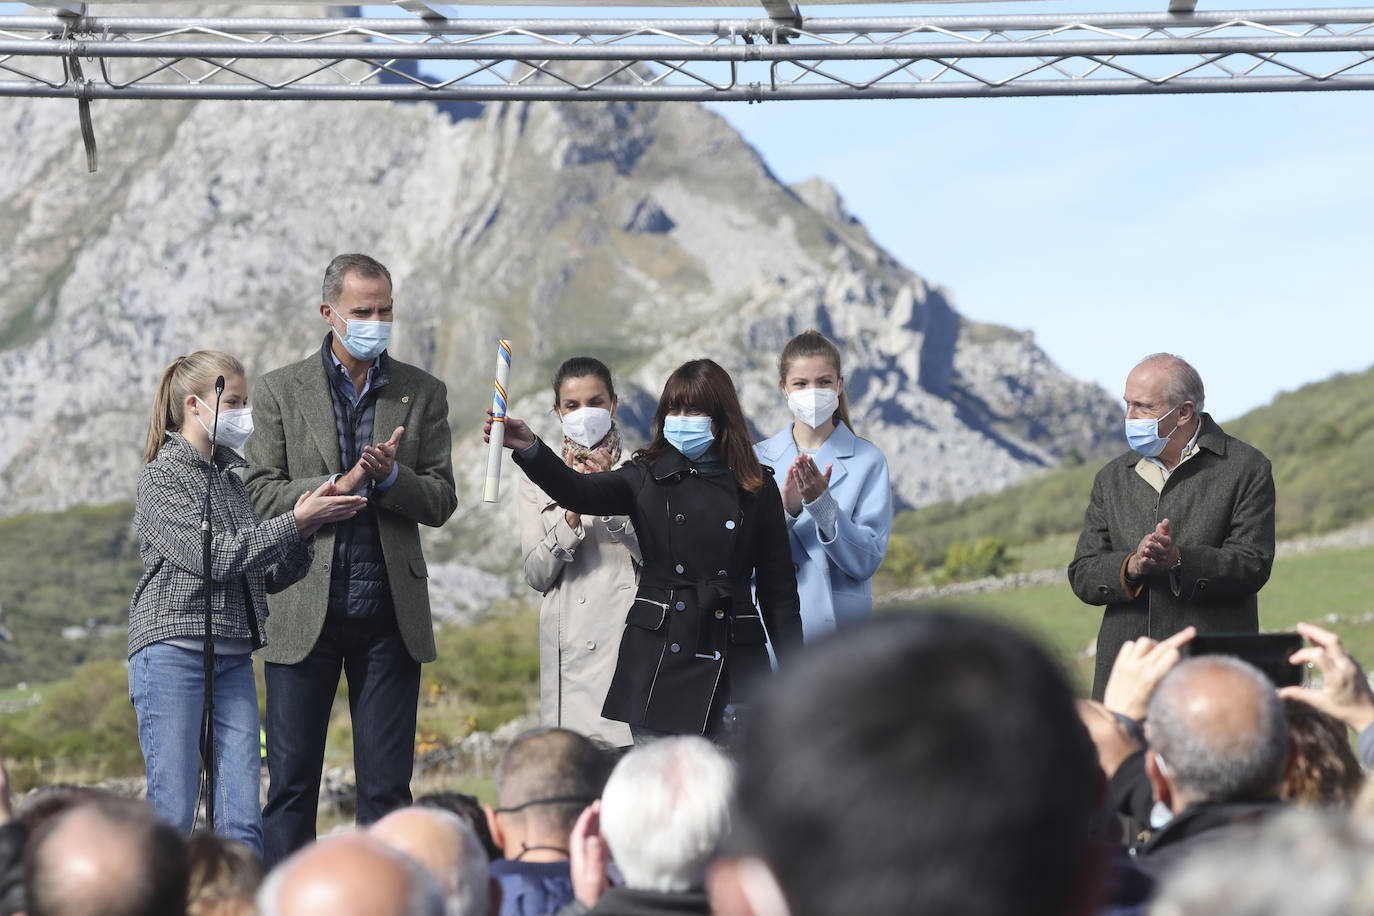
<point x="1179" y="531"/>
<point x="376" y="427"/>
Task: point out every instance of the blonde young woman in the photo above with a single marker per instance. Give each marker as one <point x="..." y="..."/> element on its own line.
<point x="248" y="557"/>
<point x="586" y="566"/>
<point x="835" y="491"/>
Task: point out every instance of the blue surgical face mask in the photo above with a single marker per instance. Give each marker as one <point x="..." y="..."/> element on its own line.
<point x="690" y="435"/>
<point x="364" y="339"/>
<point x="1144" y="437"/>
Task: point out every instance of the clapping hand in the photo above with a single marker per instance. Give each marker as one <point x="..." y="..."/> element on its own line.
<point x="323" y="506"/>
<point x="807" y="479"/>
<point x="1156" y="551"/>
<point x="377" y="460"/>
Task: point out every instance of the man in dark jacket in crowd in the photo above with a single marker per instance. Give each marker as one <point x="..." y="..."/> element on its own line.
<point x="1179" y="531"/>
<point x="1219" y="750"/>
<point x="544" y="781"/>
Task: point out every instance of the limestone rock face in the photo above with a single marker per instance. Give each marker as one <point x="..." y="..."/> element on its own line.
<point x="645" y="234"/>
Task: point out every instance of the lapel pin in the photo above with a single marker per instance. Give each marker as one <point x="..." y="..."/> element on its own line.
<point x="405" y="399"/>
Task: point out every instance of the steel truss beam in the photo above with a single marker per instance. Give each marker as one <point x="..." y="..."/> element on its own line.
<point x="96" y="57"/>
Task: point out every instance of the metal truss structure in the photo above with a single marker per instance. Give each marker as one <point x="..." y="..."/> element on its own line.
<point x="69" y="54"/>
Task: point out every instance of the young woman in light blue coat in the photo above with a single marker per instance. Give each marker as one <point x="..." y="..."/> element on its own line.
<point x="839" y="518"/>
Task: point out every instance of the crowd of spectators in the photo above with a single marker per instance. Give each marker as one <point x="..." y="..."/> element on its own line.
<point x="915" y="763"/>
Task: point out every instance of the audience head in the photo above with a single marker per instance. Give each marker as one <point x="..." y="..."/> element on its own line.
<point x="545" y="778"/>
<point x="469" y="808"/>
<point x="353" y="875"/>
<point x="443" y="843"/>
<point x="915" y="763"/>
<point x="1217" y="734"/>
<point x="224" y="876"/>
<point x="664" y="813"/>
<point x="46" y="802"/>
<point x="106" y="857"/>
<point x="1324" y="770"/>
<point x="1304" y="860"/>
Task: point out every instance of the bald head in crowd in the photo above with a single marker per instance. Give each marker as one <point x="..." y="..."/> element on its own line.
<point x="544" y="780"/>
<point x="353" y="875"/>
<point x="452" y="852"/>
<point x="1217" y="734"/>
<point x="111" y="857"/>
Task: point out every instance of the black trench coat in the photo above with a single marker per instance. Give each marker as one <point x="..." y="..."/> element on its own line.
<point x="694" y="638"/>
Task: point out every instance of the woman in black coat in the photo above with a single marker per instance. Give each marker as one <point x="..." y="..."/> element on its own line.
<point x="710" y="520"/>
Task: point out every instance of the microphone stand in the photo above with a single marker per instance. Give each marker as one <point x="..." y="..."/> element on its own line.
<point x="207" y="722"/>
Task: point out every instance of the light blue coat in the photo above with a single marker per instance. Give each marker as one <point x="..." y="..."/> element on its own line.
<point x="834" y="578"/>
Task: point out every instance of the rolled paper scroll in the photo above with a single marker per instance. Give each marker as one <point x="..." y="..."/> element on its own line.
<point x="498" y="422"/>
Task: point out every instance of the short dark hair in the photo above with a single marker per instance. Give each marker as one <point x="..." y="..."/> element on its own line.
<point x="152" y="854"/>
<point x="548" y="764"/>
<point x="920" y="763"/>
<point x="345" y="264"/>
<point x="581" y="367"/>
<point x="469" y="808"/>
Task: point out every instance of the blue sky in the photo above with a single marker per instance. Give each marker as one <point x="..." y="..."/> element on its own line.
<point x="1230" y="229"/>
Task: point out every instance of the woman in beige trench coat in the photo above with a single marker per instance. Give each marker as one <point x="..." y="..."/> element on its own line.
<point x="586" y="566"/>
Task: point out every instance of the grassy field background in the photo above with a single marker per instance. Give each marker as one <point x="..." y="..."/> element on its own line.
<point x="83" y="726"/>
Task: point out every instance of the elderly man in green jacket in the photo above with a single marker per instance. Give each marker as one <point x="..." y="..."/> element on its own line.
<point x="1180" y="530"/>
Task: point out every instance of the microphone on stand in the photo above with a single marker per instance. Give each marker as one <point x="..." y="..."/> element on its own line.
<point x="207" y="722"/>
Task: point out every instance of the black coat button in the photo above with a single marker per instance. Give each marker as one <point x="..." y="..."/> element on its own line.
<point x="680" y="519"/>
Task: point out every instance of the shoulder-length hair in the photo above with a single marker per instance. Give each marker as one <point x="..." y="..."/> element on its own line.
<point x="703" y="385"/>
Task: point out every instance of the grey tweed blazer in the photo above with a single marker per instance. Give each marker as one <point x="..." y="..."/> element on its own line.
<point x="295" y="447"/>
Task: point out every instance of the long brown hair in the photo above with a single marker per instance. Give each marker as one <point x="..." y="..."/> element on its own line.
<point x="813" y="343"/>
<point x="187" y="375"/>
<point x="703" y="385"/>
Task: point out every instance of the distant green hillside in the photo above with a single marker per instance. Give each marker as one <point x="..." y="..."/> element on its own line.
<point x="65" y="569"/>
<point x="1320" y="439"/>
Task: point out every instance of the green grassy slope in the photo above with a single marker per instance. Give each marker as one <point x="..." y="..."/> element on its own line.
<point x="64" y="569"/>
<point x="1334" y="589"/>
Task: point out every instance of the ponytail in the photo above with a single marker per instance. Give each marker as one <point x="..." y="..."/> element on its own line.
<point x="187" y="375"/>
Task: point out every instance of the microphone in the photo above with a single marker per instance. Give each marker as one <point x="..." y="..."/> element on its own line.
<point x="219" y="385"/>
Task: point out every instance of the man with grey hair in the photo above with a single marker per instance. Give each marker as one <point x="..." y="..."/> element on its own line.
<point x="374" y="426"/>
<point x="1219" y="748"/>
<point x="1179" y="531"/>
<point x="663" y="816"/>
<point x="352" y="875"/>
<point x="448" y="847"/>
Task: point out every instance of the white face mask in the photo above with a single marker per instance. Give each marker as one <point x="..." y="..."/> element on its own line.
<point x="587" y="425"/>
<point x="814" y="406"/>
<point x="235" y="426"/>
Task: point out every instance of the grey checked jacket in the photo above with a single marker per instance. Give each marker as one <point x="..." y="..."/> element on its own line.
<point x="248" y="557"/>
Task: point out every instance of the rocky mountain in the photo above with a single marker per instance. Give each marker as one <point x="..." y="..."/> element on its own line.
<point x="645" y="234"/>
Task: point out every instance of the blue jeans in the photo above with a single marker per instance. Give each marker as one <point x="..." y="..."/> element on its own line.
<point x="167" y="687"/>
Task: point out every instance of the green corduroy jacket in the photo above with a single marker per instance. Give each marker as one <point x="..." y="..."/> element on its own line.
<point x="1220" y="507"/>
